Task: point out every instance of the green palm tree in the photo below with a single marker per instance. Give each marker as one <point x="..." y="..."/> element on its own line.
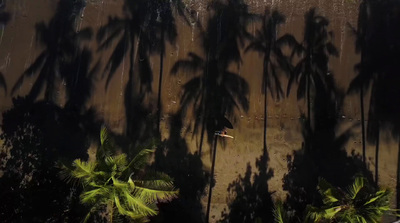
<point x="314" y="52"/>
<point x="361" y="202"/>
<point x="118" y="187"/>
<point x="266" y="42"/>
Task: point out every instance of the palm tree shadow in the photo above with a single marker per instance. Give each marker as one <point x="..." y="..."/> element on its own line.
<point x="267" y="43"/>
<point x="252" y="200"/>
<point x="215" y="93"/>
<point x="143" y="30"/>
<point x="173" y="157"/>
<point x="62" y="44"/>
<point x="313" y="52"/>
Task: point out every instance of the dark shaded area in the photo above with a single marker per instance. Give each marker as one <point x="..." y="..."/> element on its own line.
<point x="174" y="158"/>
<point x="41" y="135"/>
<point x="38" y="136"/>
<point x="252" y="202"/>
<point x="322" y="153"/>
<point x="216" y="92"/>
<point x="378" y="43"/>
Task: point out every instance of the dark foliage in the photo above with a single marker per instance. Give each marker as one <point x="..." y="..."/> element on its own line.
<point x="252" y="200"/>
<point x="322" y="154"/>
<point x="174" y="158"/>
<point x="38" y="136"/>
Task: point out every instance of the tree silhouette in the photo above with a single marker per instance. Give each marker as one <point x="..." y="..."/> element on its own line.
<point x="266" y="42"/>
<point x="216" y="92"/>
<point x="252" y="202"/>
<point x="314" y="52"/>
<point x="37" y="136"/>
<point x="61" y="42"/>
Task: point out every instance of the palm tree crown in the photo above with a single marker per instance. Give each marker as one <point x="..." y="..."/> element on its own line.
<point x="121" y="188"/>
<point x="359" y="203"/>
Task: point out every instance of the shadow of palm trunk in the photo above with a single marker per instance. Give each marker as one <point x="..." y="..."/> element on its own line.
<point x="162" y="52"/>
<point x="212" y="180"/>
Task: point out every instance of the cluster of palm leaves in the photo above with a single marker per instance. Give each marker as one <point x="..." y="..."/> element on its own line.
<point x="118" y="187"/>
<point x="360" y="203"/>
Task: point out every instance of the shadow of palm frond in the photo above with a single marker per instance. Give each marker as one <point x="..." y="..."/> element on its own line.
<point x="144" y="29"/>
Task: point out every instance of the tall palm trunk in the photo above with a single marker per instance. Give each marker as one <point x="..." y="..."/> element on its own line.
<point x="160" y="79"/>
<point x="129" y="86"/>
<point x="266" y="59"/>
<point x="211" y="179"/>
<point x="203" y="129"/>
<point x="203" y="104"/>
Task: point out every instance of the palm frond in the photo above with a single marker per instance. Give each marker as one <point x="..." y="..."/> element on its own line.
<point x="93" y="196"/>
<point x="358" y="184"/>
<point x="141" y="208"/>
<point x="141" y="159"/>
<point x="280" y="214"/>
<point x="83" y="169"/>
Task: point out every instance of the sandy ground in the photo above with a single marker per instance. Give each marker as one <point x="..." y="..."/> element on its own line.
<point x="18" y="50"/>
